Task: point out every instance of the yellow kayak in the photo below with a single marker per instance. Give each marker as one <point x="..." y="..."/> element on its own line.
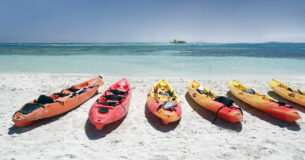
<point x="266" y="104"/>
<point x="292" y="94"/>
<point x="163" y="102"/>
<point x="220" y="105"/>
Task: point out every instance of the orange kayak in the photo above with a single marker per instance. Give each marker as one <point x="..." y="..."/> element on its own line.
<point x="163" y="102"/>
<point x="57" y="103"/>
<point x="266" y="104"/>
<point x="222" y="106"/>
<point x="113" y="105"/>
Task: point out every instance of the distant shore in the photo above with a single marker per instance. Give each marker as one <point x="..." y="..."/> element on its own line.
<point x="141" y="135"/>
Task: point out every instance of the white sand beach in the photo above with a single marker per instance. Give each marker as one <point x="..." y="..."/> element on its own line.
<point x="141" y="135"/>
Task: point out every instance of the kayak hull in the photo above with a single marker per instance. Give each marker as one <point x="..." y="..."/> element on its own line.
<point x="60" y="105"/>
<point x="264" y="103"/>
<point x="100" y="119"/>
<point x="228" y="113"/>
<point x="167" y="116"/>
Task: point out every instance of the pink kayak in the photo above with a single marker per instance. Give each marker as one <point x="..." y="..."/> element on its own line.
<point x="113" y="105"/>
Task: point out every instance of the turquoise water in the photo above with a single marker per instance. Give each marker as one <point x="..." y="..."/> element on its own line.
<point x="155" y="60"/>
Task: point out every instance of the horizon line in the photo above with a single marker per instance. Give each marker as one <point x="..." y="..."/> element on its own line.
<point x="147" y="42"/>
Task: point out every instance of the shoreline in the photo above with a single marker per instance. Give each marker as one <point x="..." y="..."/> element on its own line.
<point x="259" y="77"/>
<point x="140" y="135"/>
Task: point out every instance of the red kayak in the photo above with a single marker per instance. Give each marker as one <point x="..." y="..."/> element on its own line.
<point x="112" y="105"/>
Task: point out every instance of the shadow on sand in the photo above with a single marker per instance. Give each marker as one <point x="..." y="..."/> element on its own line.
<point x="94" y="134"/>
<point x="157" y="123"/>
<point x="208" y="115"/>
<point x="295" y="105"/>
<point x="19" y="130"/>
<point x="293" y="126"/>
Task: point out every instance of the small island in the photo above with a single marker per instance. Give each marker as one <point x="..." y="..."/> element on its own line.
<point x="177" y="42"/>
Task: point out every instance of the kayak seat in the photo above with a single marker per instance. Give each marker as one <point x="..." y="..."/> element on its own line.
<point x="72" y="89"/>
<point x="289" y="89"/>
<point x="299" y="92"/>
<point x="163" y="93"/>
<point x="224" y="100"/>
<point x="113" y="104"/>
<point x="168" y="105"/>
<point x="43" y="99"/>
<point x="118" y="92"/>
<point x="249" y="91"/>
<point x="169" y="93"/>
<point x="200" y="91"/>
<point x="113" y="97"/>
<point x="61" y="94"/>
<point x="206" y="93"/>
<point x="28" y="108"/>
<point x="280" y="103"/>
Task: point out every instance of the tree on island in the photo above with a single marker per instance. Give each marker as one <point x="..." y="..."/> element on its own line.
<point x="177" y="42"/>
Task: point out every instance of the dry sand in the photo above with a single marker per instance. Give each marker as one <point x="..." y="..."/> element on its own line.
<point x="141" y="135"/>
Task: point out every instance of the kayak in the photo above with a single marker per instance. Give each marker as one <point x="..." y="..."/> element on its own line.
<point x="266" y="104"/>
<point x="292" y="94"/>
<point x="163" y="102"/>
<point x="57" y="103"/>
<point x="220" y="105"/>
<point x="112" y="105"/>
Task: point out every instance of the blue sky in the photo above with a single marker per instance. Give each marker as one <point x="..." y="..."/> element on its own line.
<point x="152" y="20"/>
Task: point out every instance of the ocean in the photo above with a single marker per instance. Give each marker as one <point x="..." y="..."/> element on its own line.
<point x="156" y="60"/>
